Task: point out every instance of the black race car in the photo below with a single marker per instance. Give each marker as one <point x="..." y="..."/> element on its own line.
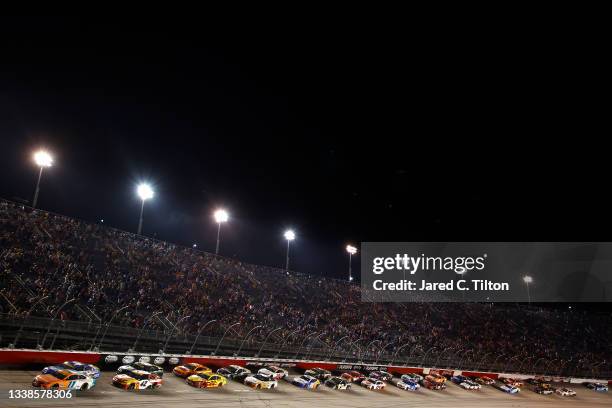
<point x="338" y="383"/>
<point x="149" y="368"/>
<point x="381" y="375"/>
<point x="318" y="373"/>
<point x="232" y="371"/>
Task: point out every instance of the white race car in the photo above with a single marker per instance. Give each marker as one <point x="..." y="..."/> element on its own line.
<point x="261" y="380"/>
<point x="373" y="384"/>
<point x="276" y="372"/>
<point x="566" y="392"/>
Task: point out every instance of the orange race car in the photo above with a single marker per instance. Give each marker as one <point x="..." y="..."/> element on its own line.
<point x="436" y="378"/>
<point x="186" y="370"/>
<point x="64" y="379"/>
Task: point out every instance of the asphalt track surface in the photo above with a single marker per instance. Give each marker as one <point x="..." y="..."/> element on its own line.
<point x="175" y="393"/>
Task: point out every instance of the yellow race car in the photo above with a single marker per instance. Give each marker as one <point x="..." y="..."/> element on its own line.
<point x="206" y="380"/>
<point x="137" y="380"/>
<point x="186" y="370"/>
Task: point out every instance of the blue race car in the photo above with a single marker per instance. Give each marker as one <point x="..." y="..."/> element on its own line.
<point x="407" y="383"/>
<point x="597" y="387"/>
<point x="306" y="381"/>
<point x="510" y="389"/>
<point x="89" y="370"/>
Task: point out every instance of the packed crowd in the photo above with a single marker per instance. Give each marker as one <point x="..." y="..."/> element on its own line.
<point x="47" y="260"/>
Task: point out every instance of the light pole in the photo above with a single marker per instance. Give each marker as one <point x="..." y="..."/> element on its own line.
<point x="222" y="337"/>
<point x="174" y="327"/>
<point x="245" y="339"/>
<point x="145" y="192"/>
<point x="42" y="343"/>
<point x="198" y="336"/>
<point x="528" y="280"/>
<point x="221" y="216"/>
<point x="24" y="319"/>
<point x="266" y="340"/>
<point x="42" y="159"/>
<point x="289" y="236"/>
<point x="108" y="324"/>
<point x="351" y="251"/>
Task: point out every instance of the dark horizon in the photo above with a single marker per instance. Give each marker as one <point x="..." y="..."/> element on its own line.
<point x="345" y="144"/>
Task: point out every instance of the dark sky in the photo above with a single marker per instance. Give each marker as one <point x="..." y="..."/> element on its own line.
<point x="346" y="134"/>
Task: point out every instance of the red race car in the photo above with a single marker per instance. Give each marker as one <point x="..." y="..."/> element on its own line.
<point x="353" y="376"/>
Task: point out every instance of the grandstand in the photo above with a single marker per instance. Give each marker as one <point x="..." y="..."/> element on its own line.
<point x="68" y="283"/>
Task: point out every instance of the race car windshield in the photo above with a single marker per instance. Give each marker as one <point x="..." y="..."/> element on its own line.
<point x="58" y="374"/>
<point x="262" y="377"/>
<point x="191" y="366"/>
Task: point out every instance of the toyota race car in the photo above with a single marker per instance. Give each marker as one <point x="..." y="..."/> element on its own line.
<point x="597" y="387"/>
<point x="373" y="384"/>
<point x="513" y="382"/>
<point x="89" y="370"/>
<point x="277" y="372"/>
<point x="542" y="389"/>
<point x="306" y="381"/>
<point x="186" y="370"/>
<point x="566" y="392"/>
<point x="465" y="382"/>
<point x="413" y="376"/>
<point x="318" y="373"/>
<point x="436" y="378"/>
<point x="63" y="379"/>
<point x="433" y="385"/>
<point x="206" y="380"/>
<point x="381" y="375"/>
<point x="484" y="380"/>
<point x="149" y="368"/>
<point x="137" y="380"/>
<point x="232" y="371"/>
<point x="353" y="376"/>
<point x="338" y="383"/>
<point x="261" y="381"/>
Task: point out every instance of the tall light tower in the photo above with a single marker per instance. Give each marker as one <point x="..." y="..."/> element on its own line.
<point x="221" y="216"/>
<point x="528" y="280"/>
<point x="351" y="251"/>
<point x="289" y="236"/>
<point x="145" y="192"/>
<point x="43" y="159"/>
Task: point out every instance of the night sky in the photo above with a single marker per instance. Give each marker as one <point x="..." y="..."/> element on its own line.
<point x="346" y="135"/>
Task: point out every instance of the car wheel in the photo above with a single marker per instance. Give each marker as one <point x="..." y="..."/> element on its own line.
<point x="84" y="387"/>
<point x="257" y="387"/>
<point x="131" y="387"/>
<point x="55" y="386"/>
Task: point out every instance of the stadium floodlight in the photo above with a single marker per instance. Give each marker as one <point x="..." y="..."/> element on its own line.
<point x="221" y="216"/>
<point x="528" y="280"/>
<point x="42" y="159"/>
<point x="351" y="251"/>
<point x="145" y="192"/>
<point x="289" y="236"/>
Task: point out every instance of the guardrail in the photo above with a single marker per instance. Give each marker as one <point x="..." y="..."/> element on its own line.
<point x="49" y="334"/>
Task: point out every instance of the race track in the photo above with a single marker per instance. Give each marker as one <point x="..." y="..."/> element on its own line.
<point x="175" y="393"/>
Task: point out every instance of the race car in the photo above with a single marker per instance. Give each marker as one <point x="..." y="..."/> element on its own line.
<point x="89" y="370"/>
<point x="318" y="373"/>
<point x="406" y="383"/>
<point x="437" y="378"/>
<point x="413" y="376"/>
<point x="338" y="383"/>
<point x="186" y="370"/>
<point x="373" y="384"/>
<point x="137" y="380"/>
<point x="242" y="376"/>
<point x="433" y="385"/>
<point x="353" y="376"/>
<point x="513" y="382"/>
<point x="149" y="368"/>
<point x="510" y="389"/>
<point x="63" y="379"/>
<point x="277" y="372"/>
<point x="381" y="375"/>
<point x="534" y="381"/>
<point x="232" y="371"/>
<point x="597" y="387"/>
<point x="306" y="381"/>
<point x="484" y="380"/>
<point x="465" y="382"/>
<point x="206" y="380"/>
<point x="542" y="389"/>
<point x="566" y="392"/>
<point x="261" y="381"/>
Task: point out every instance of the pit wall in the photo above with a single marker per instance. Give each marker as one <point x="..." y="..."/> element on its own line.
<point x="20" y="357"/>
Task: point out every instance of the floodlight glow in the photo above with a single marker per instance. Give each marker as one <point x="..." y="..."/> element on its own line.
<point x="351" y="249"/>
<point x="221" y="216"/>
<point x="527" y="279"/>
<point x="145" y="191"/>
<point x="43" y="159"/>
<point x="289" y="235"/>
